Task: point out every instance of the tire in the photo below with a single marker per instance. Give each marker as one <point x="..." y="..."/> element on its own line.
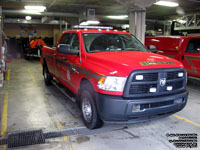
<point x="47" y="76"/>
<point x="89" y="112"/>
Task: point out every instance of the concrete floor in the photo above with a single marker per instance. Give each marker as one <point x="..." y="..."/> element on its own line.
<point x="32" y="105"/>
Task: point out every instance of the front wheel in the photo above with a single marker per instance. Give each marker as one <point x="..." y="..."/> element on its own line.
<point x="88" y="109"/>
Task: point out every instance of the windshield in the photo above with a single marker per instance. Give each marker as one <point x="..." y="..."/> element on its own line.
<point x="100" y="42"/>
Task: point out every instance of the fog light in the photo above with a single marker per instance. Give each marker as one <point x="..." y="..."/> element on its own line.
<point x="180" y="74"/>
<point x="139" y="77"/>
<point x="152" y="90"/>
<point x="136" y="107"/>
<point x="169" y="88"/>
<point x="178" y="101"/>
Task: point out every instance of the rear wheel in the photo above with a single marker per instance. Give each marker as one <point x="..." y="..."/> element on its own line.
<point x="89" y="112"/>
<point x="47" y="76"/>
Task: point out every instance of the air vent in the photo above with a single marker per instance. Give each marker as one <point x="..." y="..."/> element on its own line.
<point x="91" y="14"/>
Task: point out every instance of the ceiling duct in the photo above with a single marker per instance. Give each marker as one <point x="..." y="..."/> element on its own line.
<point x="90" y="14"/>
<point x="46" y="19"/>
<point x="137" y="3"/>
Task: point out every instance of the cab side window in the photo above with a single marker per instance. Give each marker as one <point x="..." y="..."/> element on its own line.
<point x="75" y="42"/>
<point x="193" y="46"/>
<point x="66" y="39"/>
<point x="71" y="39"/>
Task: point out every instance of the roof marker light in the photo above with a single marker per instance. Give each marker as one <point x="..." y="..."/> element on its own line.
<point x="91" y="27"/>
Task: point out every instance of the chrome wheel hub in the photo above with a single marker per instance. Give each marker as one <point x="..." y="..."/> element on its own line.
<point x="87" y="110"/>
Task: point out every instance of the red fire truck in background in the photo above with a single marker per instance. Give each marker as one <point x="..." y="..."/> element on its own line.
<point x="186" y="49"/>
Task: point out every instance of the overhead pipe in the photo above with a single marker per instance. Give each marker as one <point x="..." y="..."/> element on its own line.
<point x="52" y="14"/>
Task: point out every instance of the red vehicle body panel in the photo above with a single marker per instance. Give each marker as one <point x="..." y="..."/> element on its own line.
<point x="118" y="63"/>
<point x="157" y="94"/>
<point x="177" y="47"/>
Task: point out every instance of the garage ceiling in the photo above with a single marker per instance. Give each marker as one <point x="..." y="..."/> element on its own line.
<point x="103" y="8"/>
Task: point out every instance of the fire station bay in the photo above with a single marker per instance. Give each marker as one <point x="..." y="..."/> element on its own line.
<point x="99" y="75"/>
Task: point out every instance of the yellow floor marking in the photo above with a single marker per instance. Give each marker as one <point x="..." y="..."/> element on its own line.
<point x="3" y="147"/>
<point x="66" y="138"/>
<point x="187" y="120"/>
<point x="4" y="118"/>
<point x="8" y="75"/>
<point x="30" y="73"/>
<point x="4" y="115"/>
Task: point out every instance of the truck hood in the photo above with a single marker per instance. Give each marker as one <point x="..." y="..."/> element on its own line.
<point x="121" y="63"/>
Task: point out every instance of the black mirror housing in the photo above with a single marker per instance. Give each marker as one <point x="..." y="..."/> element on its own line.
<point x="152" y="48"/>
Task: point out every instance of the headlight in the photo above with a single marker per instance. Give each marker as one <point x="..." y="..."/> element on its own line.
<point x="112" y="84"/>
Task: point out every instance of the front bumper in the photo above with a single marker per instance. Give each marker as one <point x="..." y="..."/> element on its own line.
<point x="116" y="109"/>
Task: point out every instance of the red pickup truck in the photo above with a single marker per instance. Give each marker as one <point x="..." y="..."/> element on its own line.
<point x="114" y="78"/>
<point x="186" y="49"/>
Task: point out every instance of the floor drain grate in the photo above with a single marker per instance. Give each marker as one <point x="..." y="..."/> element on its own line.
<point x="25" y="138"/>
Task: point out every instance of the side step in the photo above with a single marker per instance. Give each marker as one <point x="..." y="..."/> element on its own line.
<point x="64" y="90"/>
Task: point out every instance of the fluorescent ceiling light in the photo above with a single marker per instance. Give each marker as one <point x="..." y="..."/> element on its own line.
<point x="182" y="21"/>
<point x="36" y="8"/>
<point x="28" y="17"/>
<point x="118" y="17"/>
<point x="89" y="22"/>
<point x="167" y="3"/>
<point x="33" y="12"/>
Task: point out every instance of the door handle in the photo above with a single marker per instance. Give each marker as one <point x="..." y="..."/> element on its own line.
<point x="54" y="55"/>
<point x="74" y="70"/>
<point x="182" y="57"/>
<point x="64" y="58"/>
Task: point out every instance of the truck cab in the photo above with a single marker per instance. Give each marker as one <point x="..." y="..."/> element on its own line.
<point x="113" y="77"/>
<point x="186" y="49"/>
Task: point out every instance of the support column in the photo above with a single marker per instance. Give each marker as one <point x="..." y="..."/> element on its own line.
<point x="137" y="24"/>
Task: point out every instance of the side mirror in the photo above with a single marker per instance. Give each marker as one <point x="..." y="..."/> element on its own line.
<point x="63" y="47"/>
<point x="152" y="48"/>
<point x="66" y="49"/>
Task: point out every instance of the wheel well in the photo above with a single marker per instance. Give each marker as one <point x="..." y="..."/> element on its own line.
<point x="44" y="65"/>
<point x="83" y="82"/>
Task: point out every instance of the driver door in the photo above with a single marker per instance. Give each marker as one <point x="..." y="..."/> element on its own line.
<point x="191" y="57"/>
